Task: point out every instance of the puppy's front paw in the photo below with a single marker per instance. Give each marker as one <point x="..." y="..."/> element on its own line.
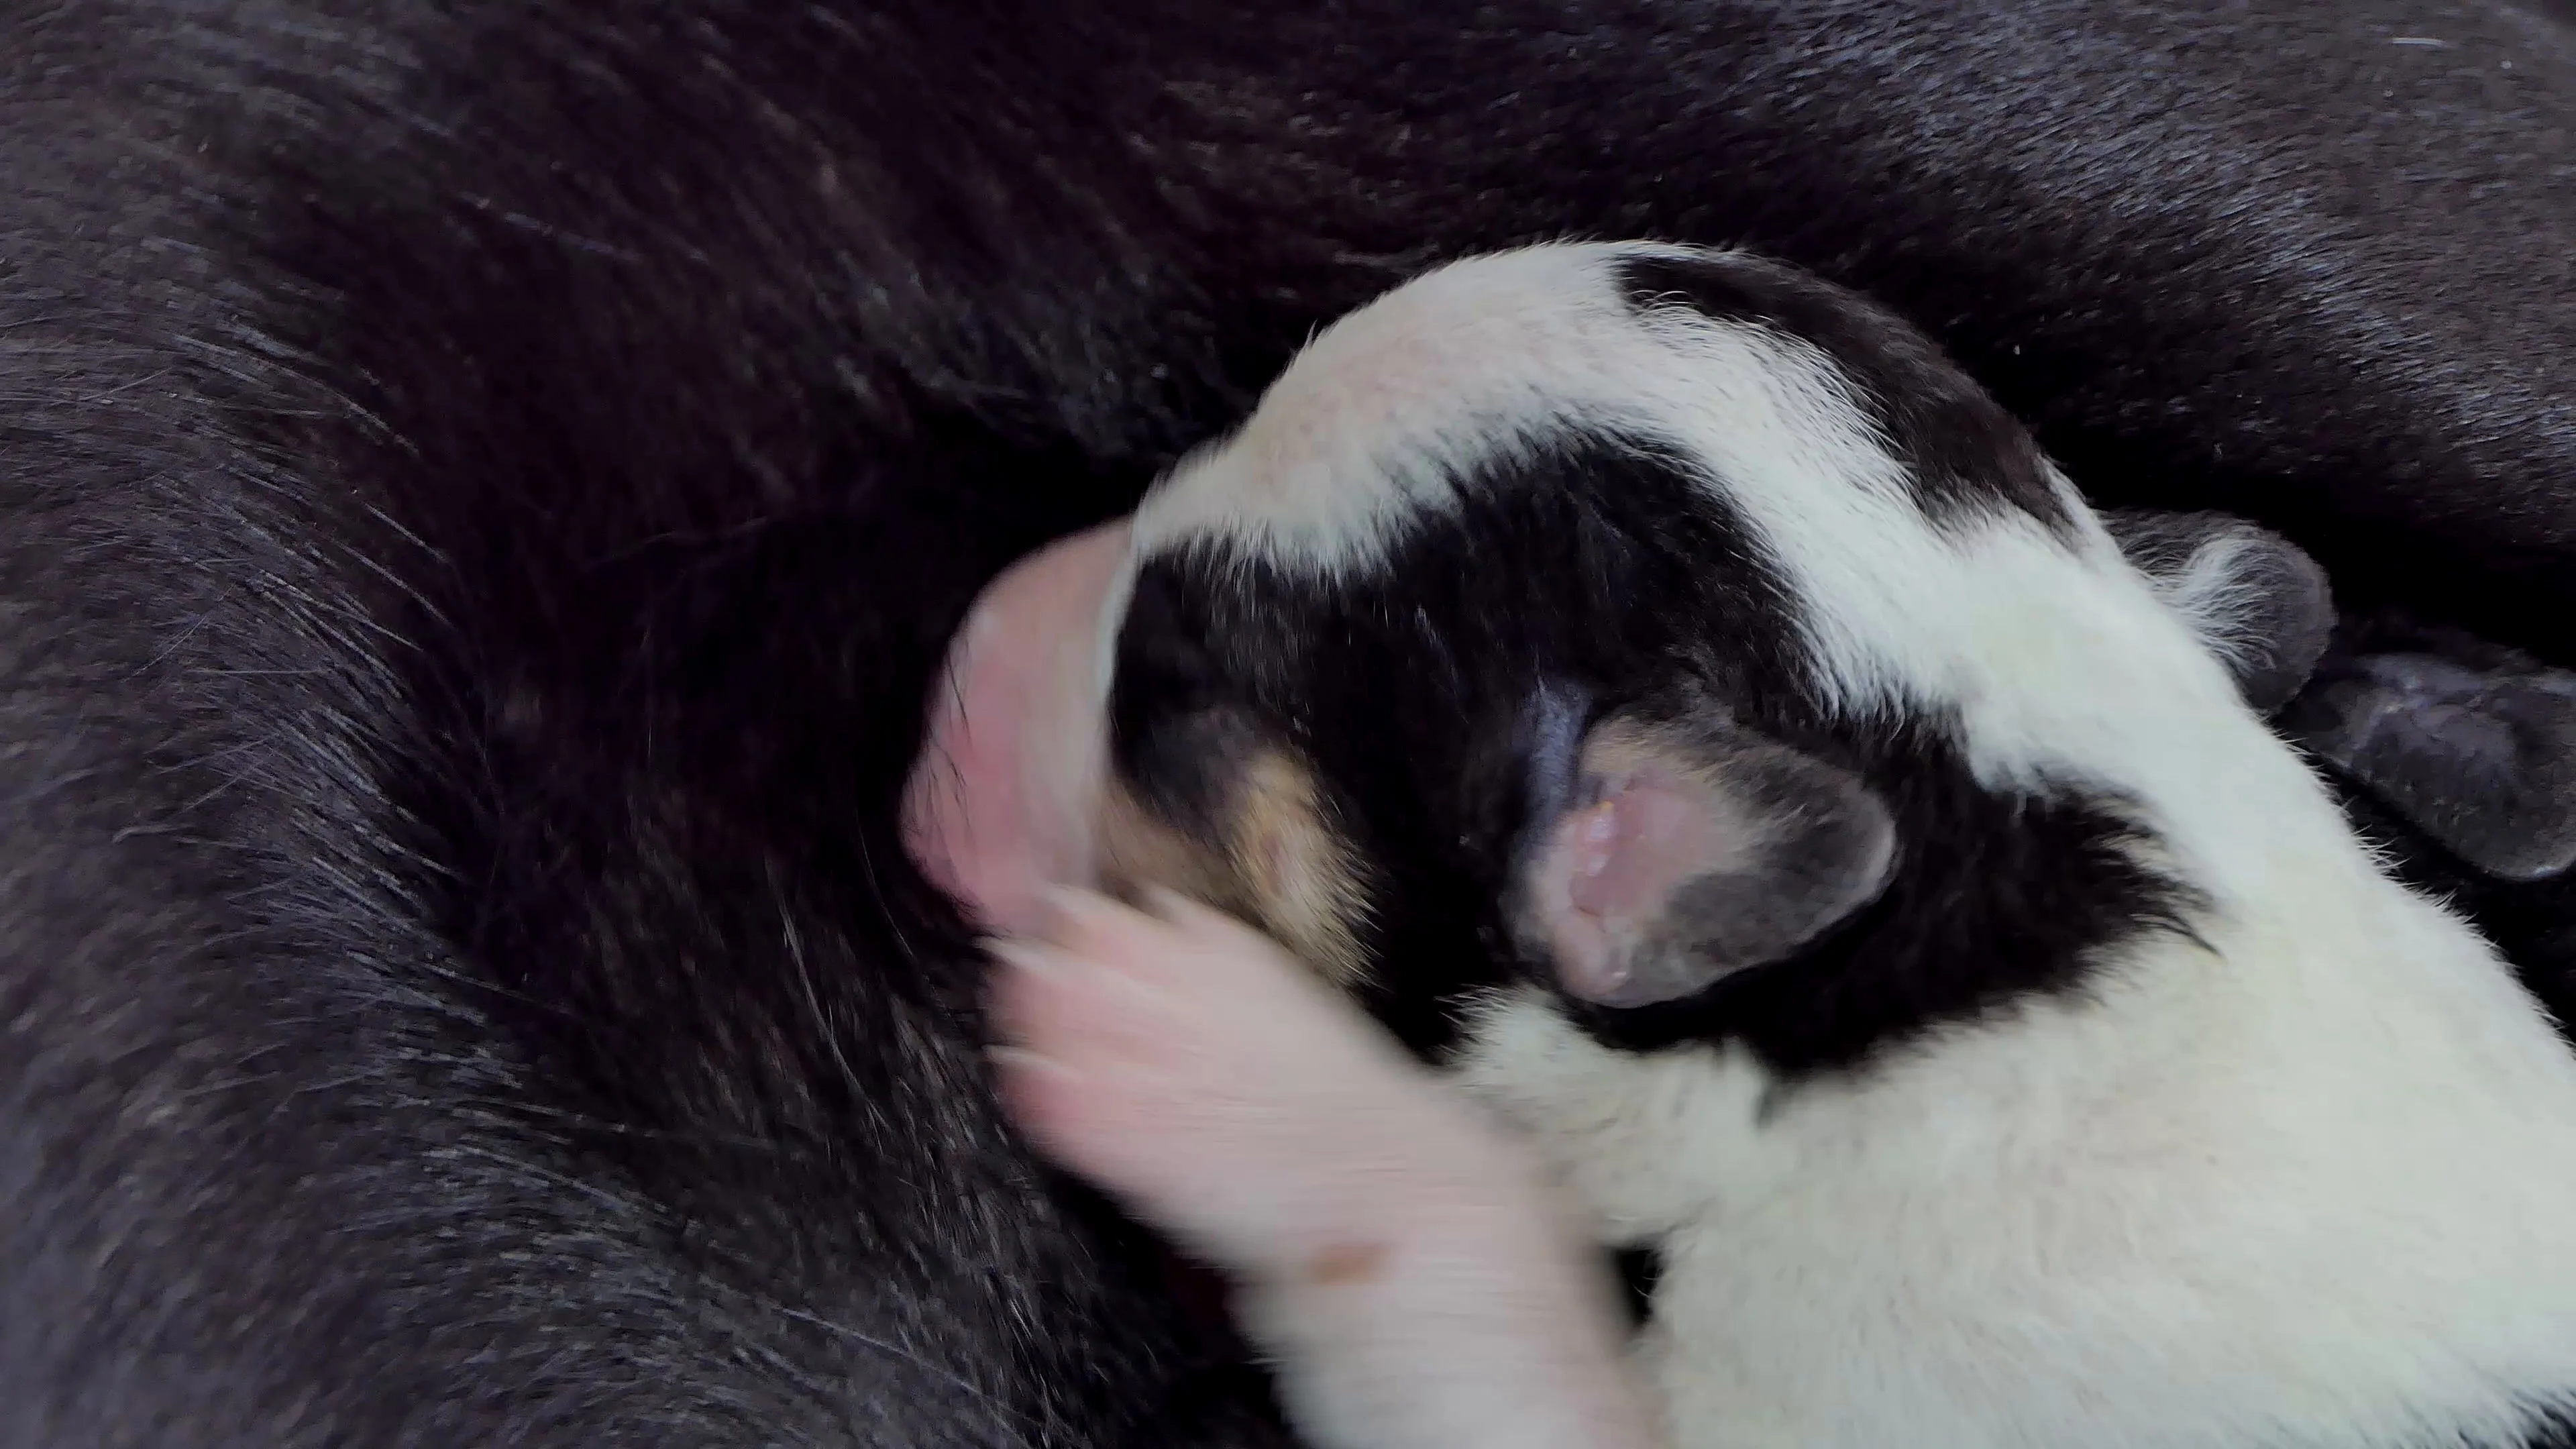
<point x="1407" y="1273"/>
<point x="1189" y="1064"/>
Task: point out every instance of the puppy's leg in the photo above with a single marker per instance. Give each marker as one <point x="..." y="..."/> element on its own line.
<point x="2473" y="745"/>
<point x="1399" y="1256"/>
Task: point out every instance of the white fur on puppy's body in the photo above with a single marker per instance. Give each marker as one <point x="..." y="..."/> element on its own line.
<point x="1399" y="1258"/>
<point x="2106" y="1222"/>
<point x="2307" y="1180"/>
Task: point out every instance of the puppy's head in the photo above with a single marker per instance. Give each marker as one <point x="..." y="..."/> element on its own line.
<point x="1664" y="627"/>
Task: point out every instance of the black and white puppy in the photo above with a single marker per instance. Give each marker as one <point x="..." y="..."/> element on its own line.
<point x="485" y="490"/>
<point x="1668" y="691"/>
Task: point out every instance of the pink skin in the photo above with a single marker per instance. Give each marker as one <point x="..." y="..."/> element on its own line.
<point x="1400" y="1255"/>
<point x="999" y="806"/>
<point x="1185" y="1060"/>
<point x="1612" y="868"/>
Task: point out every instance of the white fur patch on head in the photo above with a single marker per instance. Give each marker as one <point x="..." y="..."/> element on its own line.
<point x="1366" y="433"/>
<point x="1368" y="426"/>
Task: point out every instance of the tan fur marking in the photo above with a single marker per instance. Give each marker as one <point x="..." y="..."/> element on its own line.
<point x="1138" y="849"/>
<point x="1283" y="865"/>
<point x="1302" y="875"/>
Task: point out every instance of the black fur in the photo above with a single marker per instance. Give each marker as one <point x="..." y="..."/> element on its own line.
<point x="1602" y="566"/>
<point x="1638" y="1271"/>
<point x="483" y="488"/>
<point x="1961" y="450"/>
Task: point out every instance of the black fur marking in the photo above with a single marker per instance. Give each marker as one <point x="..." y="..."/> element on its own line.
<point x="1962" y="451"/>
<point x="2558" y="1433"/>
<point x="1638" y="1271"/>
<point x="1996" y="899"/>
<point x="1600" y="567"/>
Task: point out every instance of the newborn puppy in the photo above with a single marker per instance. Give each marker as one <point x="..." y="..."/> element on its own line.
<point x="1664" y="689"/>
<point x="1193" y="1067"/>
<point x="1399" y="1256"/>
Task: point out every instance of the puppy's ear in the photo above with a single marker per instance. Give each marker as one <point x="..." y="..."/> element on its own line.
<point x="2483" y="760"/>
<point x="1679" y="848"/>
<point x="2258" y="601"/>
